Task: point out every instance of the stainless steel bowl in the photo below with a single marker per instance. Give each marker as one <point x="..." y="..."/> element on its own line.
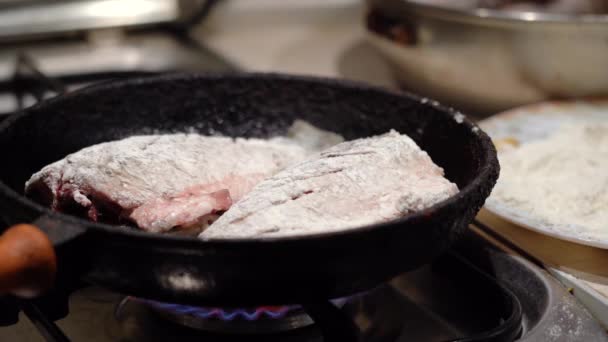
<point x="484" y="61"/>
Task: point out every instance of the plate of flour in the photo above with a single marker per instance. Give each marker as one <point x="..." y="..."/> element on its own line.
<point x="554" y="169"/>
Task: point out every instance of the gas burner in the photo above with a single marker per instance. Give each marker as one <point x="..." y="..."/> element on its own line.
<point x="474" y="293"/>
<point x="262" y="319"/>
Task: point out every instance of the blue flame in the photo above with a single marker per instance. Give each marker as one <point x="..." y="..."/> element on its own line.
<point x="273" y="312"/>
<point x="224" y="314"/>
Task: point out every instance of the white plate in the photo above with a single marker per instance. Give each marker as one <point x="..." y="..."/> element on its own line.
<point x="535" y="122"/>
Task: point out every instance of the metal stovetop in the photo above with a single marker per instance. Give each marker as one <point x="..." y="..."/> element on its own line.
<point x="80" y="42"/>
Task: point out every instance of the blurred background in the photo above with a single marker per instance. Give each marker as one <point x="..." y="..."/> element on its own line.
<point x="481" y="56"/>
<point x="51" y="46"/>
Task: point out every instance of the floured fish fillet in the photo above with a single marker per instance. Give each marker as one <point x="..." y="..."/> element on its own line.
<point x="160" y="181"/>
<point x="352" y="184"/>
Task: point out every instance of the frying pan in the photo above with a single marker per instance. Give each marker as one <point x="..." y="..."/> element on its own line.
<point x="229" y="272"/>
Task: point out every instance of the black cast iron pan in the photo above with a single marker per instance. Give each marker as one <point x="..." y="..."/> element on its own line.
<point x="236" y="272"/>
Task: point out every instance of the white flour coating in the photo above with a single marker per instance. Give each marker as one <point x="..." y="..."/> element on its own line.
<point x="310" y="137"/>
<point x="562" y="180"/>
<point x="136" y="169"/>
<point x="172" y="180"/>
<point x="459" y="118"/>
<point x="352" y="184"/>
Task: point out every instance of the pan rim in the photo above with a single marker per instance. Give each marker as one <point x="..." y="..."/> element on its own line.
<point x="488" y="168"/>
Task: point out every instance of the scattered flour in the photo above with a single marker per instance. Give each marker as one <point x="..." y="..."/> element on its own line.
<point x="459" y="118"/>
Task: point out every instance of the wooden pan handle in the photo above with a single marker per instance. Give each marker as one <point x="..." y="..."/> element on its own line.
<point x="27" y="261"/>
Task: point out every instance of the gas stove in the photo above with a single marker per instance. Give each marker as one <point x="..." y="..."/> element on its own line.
<point x="479" y="291"/>
<point x="76" y="43"/>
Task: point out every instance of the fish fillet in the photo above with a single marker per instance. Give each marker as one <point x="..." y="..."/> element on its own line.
<point x="160" y="181"/>
<point x="351" y="184"/>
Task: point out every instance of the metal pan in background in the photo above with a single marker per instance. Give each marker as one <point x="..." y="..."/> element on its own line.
<point x="483" y="60"/>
